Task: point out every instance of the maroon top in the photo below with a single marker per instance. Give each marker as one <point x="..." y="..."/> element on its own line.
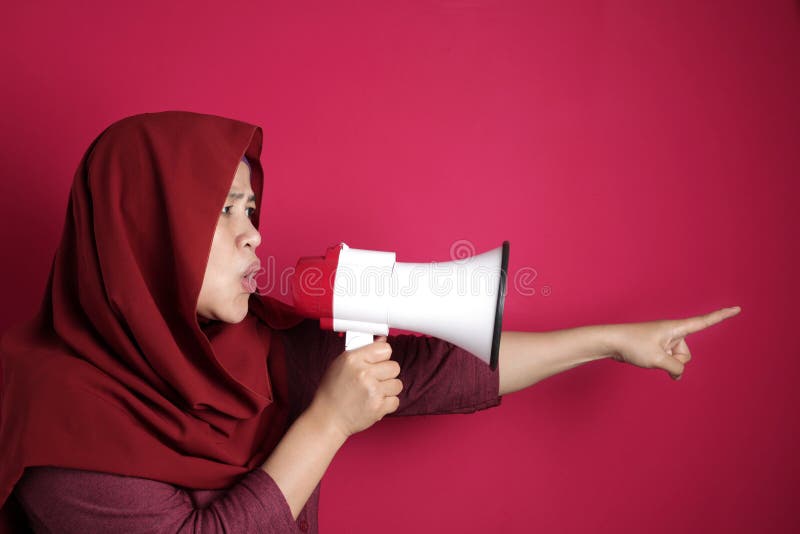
<point x="438" y="378"/>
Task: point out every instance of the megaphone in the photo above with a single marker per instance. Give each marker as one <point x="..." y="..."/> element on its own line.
<point x="366" y="292"/>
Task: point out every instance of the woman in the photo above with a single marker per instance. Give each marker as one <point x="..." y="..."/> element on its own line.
<point x="155" y="392"/>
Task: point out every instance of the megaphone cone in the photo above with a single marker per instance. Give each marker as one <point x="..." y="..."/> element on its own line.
<point x="366" y="292"/>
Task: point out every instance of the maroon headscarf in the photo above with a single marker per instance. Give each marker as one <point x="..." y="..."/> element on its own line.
<point x="115" y="373"/>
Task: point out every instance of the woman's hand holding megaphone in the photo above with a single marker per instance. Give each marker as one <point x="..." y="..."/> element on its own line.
<point x="359" y="387"/>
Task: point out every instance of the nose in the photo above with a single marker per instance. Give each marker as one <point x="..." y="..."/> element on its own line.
<point x="250" y="237"/>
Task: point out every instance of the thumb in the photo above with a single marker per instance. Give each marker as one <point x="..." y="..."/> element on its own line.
<point x="672" y="365"/>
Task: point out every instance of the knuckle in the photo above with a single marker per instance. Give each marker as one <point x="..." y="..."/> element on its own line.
<point x="362" y="375"/>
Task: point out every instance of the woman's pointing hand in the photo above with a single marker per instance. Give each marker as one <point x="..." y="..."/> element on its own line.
<point x="661" y="344"/>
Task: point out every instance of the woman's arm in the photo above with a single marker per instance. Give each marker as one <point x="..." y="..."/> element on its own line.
<point x="441" y="378"/>
<point x="355" y="390"/>
<point x="63" y="500"/>
<point x="268" y="499"/>
<point x="528" y="357"/>
<point x="302" y="456"/>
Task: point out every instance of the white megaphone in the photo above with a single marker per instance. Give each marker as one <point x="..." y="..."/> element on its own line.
<point x="366" y="292"/>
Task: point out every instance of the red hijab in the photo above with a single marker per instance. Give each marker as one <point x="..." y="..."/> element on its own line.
<point x="115" y="373"/>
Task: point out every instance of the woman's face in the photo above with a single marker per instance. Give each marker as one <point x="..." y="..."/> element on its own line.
<point x="223" y="296"/>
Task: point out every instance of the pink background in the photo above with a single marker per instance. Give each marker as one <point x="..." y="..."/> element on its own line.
<point x="641" y="158"/>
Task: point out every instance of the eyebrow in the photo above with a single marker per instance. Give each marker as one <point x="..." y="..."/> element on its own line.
<point x="237" y="196"/>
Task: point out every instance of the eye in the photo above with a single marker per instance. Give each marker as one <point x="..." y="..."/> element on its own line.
<point x="250" y="215"/>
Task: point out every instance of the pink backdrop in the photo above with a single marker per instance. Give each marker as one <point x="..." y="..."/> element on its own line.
<point x="641" y="159"/>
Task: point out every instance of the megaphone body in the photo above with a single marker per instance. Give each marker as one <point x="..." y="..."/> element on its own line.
<point x="366" y="292"/>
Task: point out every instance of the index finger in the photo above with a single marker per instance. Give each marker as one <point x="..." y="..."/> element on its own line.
<point x="695" y="324"/>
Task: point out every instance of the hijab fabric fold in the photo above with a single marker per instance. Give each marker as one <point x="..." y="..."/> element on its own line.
<point x="115" y="373"/>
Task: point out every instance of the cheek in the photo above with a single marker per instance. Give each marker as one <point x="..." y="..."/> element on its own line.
<point x="218" y="269"/>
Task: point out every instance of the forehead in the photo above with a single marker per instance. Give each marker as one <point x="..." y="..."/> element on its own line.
<point x="241" y="180"/>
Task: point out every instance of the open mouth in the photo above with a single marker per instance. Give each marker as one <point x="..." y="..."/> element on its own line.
<point x="248" y="278"/>
<point x="249" y="283"/>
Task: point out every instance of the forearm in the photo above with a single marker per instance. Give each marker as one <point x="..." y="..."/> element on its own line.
<point x="302" y="456"/>
<point x="529" y="357"/>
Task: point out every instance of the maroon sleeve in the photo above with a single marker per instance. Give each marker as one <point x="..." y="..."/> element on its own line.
<point x="441" y="378"/>
<point x="57" y="499"/>
<point x="438" y="377"/>
<point x="309" y="351"/>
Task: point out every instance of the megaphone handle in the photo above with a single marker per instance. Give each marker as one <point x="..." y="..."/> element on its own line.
<point x="354" y="340"/>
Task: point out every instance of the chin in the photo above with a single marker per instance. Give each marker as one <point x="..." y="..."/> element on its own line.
<point x="233" y="313"/>
<point x="238" y="311"/>
<point x="232" y="316"/>
<point x="228" y="305"/>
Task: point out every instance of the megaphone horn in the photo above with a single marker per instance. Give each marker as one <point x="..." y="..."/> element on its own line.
<point x="366" y="292"/>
